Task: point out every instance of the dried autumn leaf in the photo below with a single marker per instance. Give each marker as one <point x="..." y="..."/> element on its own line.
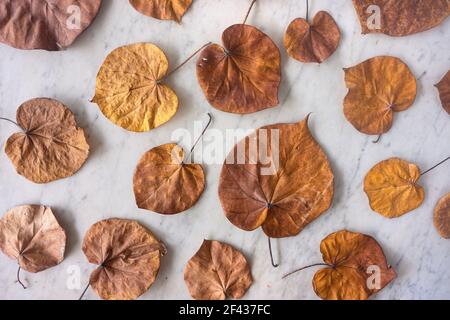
<point x="378" y="87"/>
<point x="313" y="42"/>
<point x="164" y="184"/>
<point x="129" y="91"/>
<point x="392" y="187"/>
<point x="442" y="217"/>
<point x="51" y="146"/>
<point x="352" y="259"/>
<point x="217" y="271"/>
<point x="32" y="236"/>
<point x="162" y="9"/>
<point x="284" y="201"/>
<point x="243" y="76"/>
<point x="401" y="17"/>
<point x="128" y="256"/>
<point x="48" y="25"/>
<point x="444" y="91"/>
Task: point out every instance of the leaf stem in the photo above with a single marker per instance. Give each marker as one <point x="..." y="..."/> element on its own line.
<point x="434" y="167"/>
<point x="13" y="122"/>
<point x="378" y="139"/>
<point x="84" y="292"/>
<point x="186" y="61"/>
<point x="303" y="268"/>
<point x="271" y="255"/>
<point x="248" y="12"/>
<point x="307" y="10"/>
<point x="201" y="136"/>
<point x="18" y="278"/>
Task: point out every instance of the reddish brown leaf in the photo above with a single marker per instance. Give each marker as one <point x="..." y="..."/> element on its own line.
<point x="444" y="91"/>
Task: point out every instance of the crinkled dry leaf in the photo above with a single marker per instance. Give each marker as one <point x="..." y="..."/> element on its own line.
<point x="50" y="25"/>
<point x="313" y="42"/>
<point x="401" y="17"/>
<point x="283" y="200"/>
<point x="129" y="91"/>
<point x="353" y="258"/>
<point x="392" y="187"/>
<point x="128" y="256"/>
<point x="378" y="87"/>
<point x="217" y="271"/>
<point x="244" y="75"/>
<point x="442" y="217"/>
<point x="444" y="91"/>
<point x="164" y="184"/>
<point x="162" y="9"/>
<point x="32" y="236"/>
<point x="52" y="146"/>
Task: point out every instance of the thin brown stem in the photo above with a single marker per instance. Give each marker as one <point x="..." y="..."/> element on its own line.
<point x="303" y="268"/>
<point x="434" y="167"/>
<point x="84" y="292"/>
<point x="186" y="61"/>
<point x="248" y="12"/>
<point x="307" y="10"/>
<point x="271" y="254"/>
<point x="18" y="278"/>
<point x="378" y="139"/>
<point x="10" y="121"/>
<point x="201" y="135"/>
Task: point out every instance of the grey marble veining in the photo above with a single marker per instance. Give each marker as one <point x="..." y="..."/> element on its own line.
<point x="103" y="188"/>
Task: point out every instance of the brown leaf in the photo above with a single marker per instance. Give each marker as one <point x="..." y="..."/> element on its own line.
<point x="378" y="87"/>
<point x="164" y="184"/>
<point x="244" y="75"/>
<point x="52" y="146"/>
<point x="217" y="271"/>
<point x="350" y="257"/>
<point x="129" y="91"/>
<point x="128" y="256"/>
<point x="444" y="91"/>
<point x="392" y="188"/>
<point x="48" y="25"/>
<point x="314" y="42"/>
<point x="402" y="17"/>
<point x="32" y="236"/>
<point x="442" y="217"/>
<point x="162" y="9"/>
<point x="284" y="201"/>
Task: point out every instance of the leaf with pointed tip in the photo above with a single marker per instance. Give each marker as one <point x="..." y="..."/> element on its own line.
<point x="444" y="91"/>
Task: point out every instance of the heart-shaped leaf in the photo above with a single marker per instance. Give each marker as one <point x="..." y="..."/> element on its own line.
<point x="442" y="217"/>
<point x="444" y="91"/>
<point x="162" y="9"/>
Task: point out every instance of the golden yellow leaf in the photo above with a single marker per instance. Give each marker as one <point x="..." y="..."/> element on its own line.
<point x="130" y="91"/>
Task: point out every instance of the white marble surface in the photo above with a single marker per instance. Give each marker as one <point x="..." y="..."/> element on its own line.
<point x="103" y="188"/>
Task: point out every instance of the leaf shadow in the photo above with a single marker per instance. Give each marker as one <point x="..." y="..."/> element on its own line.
<point x="67" y="221"/>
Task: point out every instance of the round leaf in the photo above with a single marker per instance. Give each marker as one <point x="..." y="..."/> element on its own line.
<point x="283" y="200"/>
<point x="392" y="188"/>
<point x="314" y="42"/>
<point x="444" y="92"/>
<point x="32" y="236"/>
<point x="129" y="91"/>
<point x="442" y="217"/>
<point x="128" y="256"/>
<point x="217" y="271"/>
<point x="378" y="87"/>
<point x="45" y="24"/>
<point x="52" y="146"/>
<point x="164" y="184"/>
<point x="351" y="257"/>
<point x="244" y="75"/>
<point x="162" y="9"/>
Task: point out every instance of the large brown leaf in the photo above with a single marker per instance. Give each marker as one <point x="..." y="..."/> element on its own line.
<point x="402" y="17"/>
<point x="162" y="9"/>
<point x="244" y="75"/>
<point x="129" y="89"/>
<point x="444" y="91"/>
<point x="297" y="192"/>
<point x="350" y="257"/>
<point x="52" y="146"/>
<point x="45" y="24"/>
<point x="217" y="271"/>
<point x="378" y="87"/>
<point x="128" y="256"/>
<point x="32" y="236"/>
<point x="442" y="217"/>
<point x="313" y="42"/>
<point x="392" y="187"/>
<point x="164" y="183"/>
